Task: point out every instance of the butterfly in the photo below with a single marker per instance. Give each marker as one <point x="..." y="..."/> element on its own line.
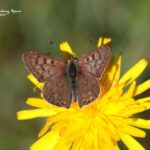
<point x="73" y="79"/>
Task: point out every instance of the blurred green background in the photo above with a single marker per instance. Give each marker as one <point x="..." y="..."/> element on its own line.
<point x="126" y="22"/>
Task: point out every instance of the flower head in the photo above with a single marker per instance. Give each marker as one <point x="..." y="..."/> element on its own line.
<point x="101" y="124"/>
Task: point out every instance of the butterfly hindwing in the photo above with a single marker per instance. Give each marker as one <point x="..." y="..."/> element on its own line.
<point x="43" y="67"/>
<point x="95" y="61"/>
<point x="89" y="89"/>
<point x="57" y="91"/>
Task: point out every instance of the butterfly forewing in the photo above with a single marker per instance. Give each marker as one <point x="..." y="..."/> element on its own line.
<point x="91" y="67"/>
<point x="49" y="70"/>
<point x="95" y="62"/>
<point x="43" y="67"/>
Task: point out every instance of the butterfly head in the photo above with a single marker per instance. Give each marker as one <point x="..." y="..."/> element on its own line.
<point x="72" y="60"/>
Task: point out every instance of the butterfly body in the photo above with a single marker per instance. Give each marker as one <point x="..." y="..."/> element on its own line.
<point x="73" y="73"/>
<point x="75" y="79"/>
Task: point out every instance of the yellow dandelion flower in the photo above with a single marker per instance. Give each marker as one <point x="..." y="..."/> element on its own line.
<point x="101" y="124"/>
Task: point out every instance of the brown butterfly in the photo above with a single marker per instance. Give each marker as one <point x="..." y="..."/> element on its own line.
<point x="76" y="79"/>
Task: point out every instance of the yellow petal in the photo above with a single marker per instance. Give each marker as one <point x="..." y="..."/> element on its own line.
<point x="99" y="44"/>
<point x="61" y="127"/>
<point x="130" y="142"/>
<point x="45" y="128"/>
<point x="133" y="131"/>
<point x="35" y="81"/>
<point x="77" y="144"/>
<point x="107" y="78"/>
<point x="41" y="103"/>
<point x="116" y="147"/>
<point x="117" y="73"/>
<point x="129" y="92"/>
<point x="143" y="100"/>
<point x="132" y="110"/>
<point x="105" y="100"/>
<point x="105" y="141"/>
<point x="114" y="109"/>
<point x="103" y="41"/>
<point x="142" y="87"/>
<point x="111" y="75"/>
<point x="106" y="40"/>
<point x="134" y="72"/>
<point x="47" y="142"/>
<point x="34" y="113"/>
<point x="65" y="47"/>
<point x="105" y="123"/>
<point x="63" y="144"/>
<point x="141" y="123"/>
<point x="37" y="102"/>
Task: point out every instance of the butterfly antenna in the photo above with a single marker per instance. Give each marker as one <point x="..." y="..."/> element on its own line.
<point x="87" y="45"/>
<point x="89" y="42"/>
